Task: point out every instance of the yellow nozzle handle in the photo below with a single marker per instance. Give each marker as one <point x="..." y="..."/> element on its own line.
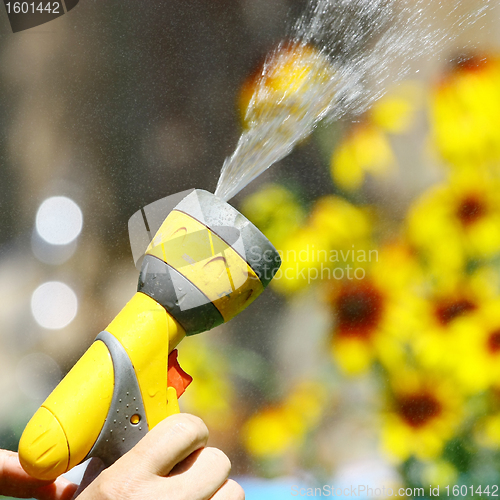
<point x="74" y="422"/>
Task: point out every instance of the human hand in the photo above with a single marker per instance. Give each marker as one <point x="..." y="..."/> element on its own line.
<point x="15" y="482"/>
<point x="170" y="462"/>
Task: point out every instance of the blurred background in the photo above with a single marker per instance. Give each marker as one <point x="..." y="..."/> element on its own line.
<point x="374" y="359"/>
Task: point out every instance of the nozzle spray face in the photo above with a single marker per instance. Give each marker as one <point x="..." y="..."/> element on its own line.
<point x="207" y="262"/>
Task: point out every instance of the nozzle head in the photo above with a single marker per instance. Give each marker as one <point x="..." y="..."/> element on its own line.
<point x="207" y="262"/>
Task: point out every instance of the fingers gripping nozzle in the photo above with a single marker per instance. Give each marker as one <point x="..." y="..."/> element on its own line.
<point x="205" y="264"/>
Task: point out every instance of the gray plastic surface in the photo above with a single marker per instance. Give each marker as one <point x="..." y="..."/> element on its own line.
<point x="118" y="435"/>
<point x="183" y="300"/>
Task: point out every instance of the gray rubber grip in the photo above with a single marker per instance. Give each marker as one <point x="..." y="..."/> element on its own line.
<point x="118" y="435"/>
<point x="182" y="300"/>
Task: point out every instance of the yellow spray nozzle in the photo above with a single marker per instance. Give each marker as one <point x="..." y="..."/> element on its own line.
<point x="206" y="263"/>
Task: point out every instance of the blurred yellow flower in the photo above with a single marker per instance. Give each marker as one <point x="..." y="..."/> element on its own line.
<point x="478" y="336"/>
<point x="281" y="82"/>
<point x="272" y="432"/>
<point x="439" y="473"/>
<point x="275" y="210"/>
<point x="398" y="266"/>
<point x="437" y="345"/>
<point x="464" y="111"/>
<point x="308" y="399"/>
<point x="304" y="260"/>
<point x="424" y="412"/>
<point x="375" y="316"/>
<point x="212" y="396"/>
<point x="342" y="223"/>
<point x="395" y="111"/>
<point x="456" y="221"/>
<point x="487" y="431"/>
<point x="335" y="236"/>
<point x="359" y="309"/>
<point x="277" y="430"/>
<point x="366" y="147"/>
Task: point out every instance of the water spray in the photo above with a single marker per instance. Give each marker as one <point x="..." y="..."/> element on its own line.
<point x="339" y="58"/>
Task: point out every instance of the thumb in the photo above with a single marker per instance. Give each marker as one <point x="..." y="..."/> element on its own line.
<point x="167" y="444"/>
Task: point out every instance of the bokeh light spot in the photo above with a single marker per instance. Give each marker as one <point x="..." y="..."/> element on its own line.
<point x="59" y="220"/>
<point x="54" y="305"/>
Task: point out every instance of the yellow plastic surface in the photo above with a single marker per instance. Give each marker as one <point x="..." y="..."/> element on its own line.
<point x="43" y="449"/>
<point x="82" y="399"/>
<point x="172" y="402"/>
<point x="208" y="262"/>
<point x="65" y="428"/>
<point x="148" y="334"/>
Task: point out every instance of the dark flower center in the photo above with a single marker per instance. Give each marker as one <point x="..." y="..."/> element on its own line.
<point x="469" y="62"/>
<point x="418" y="409"/>
<point x="358" y="311"/>
<point x="470" y="210"/>
<point x="446" y="312"/>
<point x="494" y="341"/>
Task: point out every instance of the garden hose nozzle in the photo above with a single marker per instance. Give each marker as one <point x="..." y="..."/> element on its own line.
<point x="205" y="264"/>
